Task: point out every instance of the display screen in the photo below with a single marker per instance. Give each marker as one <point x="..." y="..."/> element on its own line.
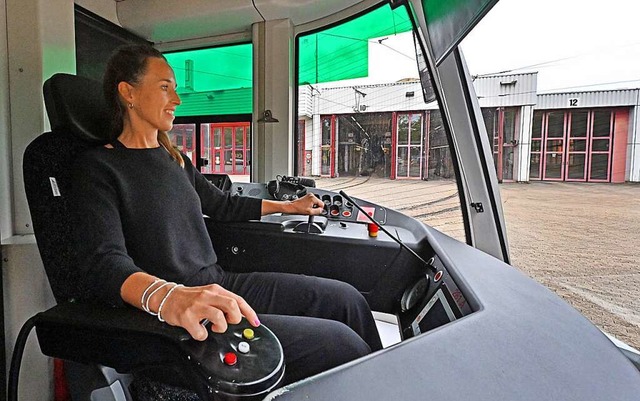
<point x="435" y="313"/>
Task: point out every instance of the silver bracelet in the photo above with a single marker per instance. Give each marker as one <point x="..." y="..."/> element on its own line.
<point x="146" y="303"/>
<point x="144" y="294"/>
<point x="166" y="296"/>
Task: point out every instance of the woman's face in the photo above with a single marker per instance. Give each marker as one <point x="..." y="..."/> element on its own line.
<point x="154" y="98"/>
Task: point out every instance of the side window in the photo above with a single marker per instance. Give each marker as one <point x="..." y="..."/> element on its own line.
<point x="213" y="122"/>
<point x="371" y="132"/>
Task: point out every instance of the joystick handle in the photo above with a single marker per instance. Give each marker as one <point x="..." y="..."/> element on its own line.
<point x="310" y="223"/>
<point x="308" y="227"/>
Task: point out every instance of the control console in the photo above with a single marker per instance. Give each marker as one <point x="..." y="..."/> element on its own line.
<point x="336" y="208"/>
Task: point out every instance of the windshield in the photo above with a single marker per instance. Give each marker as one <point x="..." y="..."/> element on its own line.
<point x="560" y="105"/>
<point x="364" y="125"/>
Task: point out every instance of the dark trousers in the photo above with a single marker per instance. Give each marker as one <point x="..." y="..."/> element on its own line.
<point x="321" y="323"/>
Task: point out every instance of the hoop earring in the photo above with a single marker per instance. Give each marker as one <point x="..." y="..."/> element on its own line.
<point x="131" y="105"/>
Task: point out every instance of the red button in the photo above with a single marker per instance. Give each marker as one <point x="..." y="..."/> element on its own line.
<point x="373" y="229"/>
<point x="230" y="358"/>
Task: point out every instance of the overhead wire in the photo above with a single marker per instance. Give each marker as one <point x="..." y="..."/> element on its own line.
<point x="562" y="59"/>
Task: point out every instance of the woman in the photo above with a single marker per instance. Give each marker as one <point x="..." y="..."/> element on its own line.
<point x="140" y="205"/>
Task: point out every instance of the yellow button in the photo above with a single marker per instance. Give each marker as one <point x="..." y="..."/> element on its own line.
<point x="248" y="334"/>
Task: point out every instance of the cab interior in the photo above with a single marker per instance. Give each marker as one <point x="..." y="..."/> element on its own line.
<point x="468" y="324"/>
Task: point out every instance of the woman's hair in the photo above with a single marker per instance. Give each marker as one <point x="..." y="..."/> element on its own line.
<point x="128" y="64"/>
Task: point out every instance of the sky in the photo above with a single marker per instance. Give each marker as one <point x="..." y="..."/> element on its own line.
<point x="572" y="44"/>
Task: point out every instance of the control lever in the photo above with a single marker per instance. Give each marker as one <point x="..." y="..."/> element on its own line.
<point x="437" y="273"/>
<point x="309" y="226"/>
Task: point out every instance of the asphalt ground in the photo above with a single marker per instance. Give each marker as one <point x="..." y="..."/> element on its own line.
<point x="581" y="240"/>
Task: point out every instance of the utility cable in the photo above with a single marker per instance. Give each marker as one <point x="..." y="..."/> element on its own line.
<point x="16" y="360"/>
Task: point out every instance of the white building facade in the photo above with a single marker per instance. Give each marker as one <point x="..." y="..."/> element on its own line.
<point x="388" y="131"/>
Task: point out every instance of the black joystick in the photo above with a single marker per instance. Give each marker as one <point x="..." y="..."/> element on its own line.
<point x="309" y="226"/>
<point x="247" y="360"/>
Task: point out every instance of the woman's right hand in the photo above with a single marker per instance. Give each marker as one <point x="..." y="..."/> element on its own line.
<point x="187" y="307"/>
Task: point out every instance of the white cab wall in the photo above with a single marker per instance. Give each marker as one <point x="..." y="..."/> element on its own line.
<point x="36" y="40"/>
<point x="26" y="292"/>
<point x="41" y="41"/>
<point x="6" y="221"/>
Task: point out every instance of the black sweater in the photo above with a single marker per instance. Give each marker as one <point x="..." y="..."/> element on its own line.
<point x="138" y="210"/>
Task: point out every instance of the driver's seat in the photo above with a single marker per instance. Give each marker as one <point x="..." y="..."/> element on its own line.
<point x="92" y="335"/>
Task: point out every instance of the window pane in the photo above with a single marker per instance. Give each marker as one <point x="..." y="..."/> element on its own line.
<point x="600" y="145"/>
<point x="577" y="145"/>
<point x="182" y="136"/>
<point x="415" y="162"/>
<point x="214" y="81"/>
<point x="507" y="163"/>
<point x="403" y="129"/>
<point x="576" y="166"/>
<point x="553" y="166"/>
<point x="217" y="137"/>
<point x="326" y="131"/>
<point x="228" y="138"/>
<point x="535" y="146"/>
<point x="602" y="123"/>
<point x="403" y="161"/>
<point x="534" y="167"/>
<point x="489" y="117"/>
<point x="579" y="123"/>
<point x="510" y="130"/>
<point x="416" y="129"/>
<point x="599" y="166"/>
<point x="555" y="125"/>
<point x="555" y="145"/>
<point x="537" y="125"/>
<point x="239" y="137"/>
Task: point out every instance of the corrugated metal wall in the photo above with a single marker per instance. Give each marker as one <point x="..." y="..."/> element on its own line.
<point x="305" y="101"/>
<point x="506" y="90"/>
<point x="400" y="96"/>
<point x="605" y="98"/>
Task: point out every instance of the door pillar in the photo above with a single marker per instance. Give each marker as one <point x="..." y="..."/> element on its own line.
<point x="273" y="111"/>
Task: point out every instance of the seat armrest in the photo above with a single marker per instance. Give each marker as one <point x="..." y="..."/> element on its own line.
<point x="131" y="341"/>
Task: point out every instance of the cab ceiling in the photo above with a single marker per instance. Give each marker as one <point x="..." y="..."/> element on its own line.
<point x="161" y="21"/>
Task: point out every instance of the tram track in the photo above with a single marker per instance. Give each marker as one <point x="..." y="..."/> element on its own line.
<point x="428" y="203"/>
<point x="436" y="212"/>
<point x="342" y="185"/>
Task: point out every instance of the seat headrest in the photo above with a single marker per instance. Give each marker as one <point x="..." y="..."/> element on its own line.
<point x="76" y="104"/>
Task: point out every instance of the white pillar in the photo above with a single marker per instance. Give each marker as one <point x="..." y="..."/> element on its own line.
<point x="317" y="140"/>
<point x="633" y="144"/>
<point x="524" y="144"/>
<point x="273" y="45"/>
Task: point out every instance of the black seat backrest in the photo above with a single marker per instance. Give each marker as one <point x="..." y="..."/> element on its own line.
<point x="79" y="119"/>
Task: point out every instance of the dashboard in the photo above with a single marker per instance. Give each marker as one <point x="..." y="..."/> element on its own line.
<point x="340" y="244"/>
